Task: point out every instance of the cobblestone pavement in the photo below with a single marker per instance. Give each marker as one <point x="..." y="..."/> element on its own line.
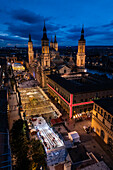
<point x="91" y="141"/>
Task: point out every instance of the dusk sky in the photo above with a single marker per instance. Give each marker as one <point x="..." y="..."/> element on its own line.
<point x="18" y="18"/>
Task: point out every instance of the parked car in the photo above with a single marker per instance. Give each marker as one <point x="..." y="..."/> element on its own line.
<point x="87" y="129"/>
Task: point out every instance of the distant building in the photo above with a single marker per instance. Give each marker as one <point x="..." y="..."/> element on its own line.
<point x="54" y="44"/>
<point x="18" y="67"/>
<point x="102" y="120"/>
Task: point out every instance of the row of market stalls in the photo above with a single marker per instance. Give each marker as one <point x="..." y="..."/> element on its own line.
<point x="53" y="145"/>
<point x="34" y="102"/>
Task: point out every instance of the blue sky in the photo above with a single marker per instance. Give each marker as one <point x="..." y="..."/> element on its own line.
<point x="18" y="18"/>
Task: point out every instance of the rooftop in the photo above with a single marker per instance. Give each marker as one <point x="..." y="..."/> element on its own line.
<point x="81" y="83"/>
<point x="106" y="104"/>
<point x="78" y="154"/>
<point x="99" y="165"/>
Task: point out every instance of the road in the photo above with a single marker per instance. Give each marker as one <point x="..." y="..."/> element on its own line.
<point x="13" y="109"/>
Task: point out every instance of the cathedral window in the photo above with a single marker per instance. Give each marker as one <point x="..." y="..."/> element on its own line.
<point x="64" y="70"/>
<point x="82" y="62"/>
<point x="46" y="63"/>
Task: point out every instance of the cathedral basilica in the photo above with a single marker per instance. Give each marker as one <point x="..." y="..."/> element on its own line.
<point x="50" y="61"/>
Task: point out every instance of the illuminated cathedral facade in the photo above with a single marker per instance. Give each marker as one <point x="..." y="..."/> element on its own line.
<point x="48" y="54"/>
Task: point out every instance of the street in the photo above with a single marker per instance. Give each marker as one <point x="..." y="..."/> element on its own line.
<point x="13" y="109"/>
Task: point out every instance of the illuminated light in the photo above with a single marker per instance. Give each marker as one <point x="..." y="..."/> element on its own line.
<point x="79" y="104"/>
<point x="74" y="117"/>
<point x="71" y="103"/>
<point x="58" y="94"/>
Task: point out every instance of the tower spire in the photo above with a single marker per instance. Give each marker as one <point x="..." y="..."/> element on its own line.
<point x="55" y="41"/>
<point x="82" y="33"/>
<point x="44" y="32"/>
<point x="30" y="38"/>
<point x="44" y="29"/>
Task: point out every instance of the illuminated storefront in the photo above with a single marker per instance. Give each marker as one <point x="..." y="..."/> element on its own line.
<point x="18" y="67"/>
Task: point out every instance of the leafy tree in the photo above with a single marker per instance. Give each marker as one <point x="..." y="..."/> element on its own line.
<point x="29" y="154"/>
<point x="38" y="154"/>
<point x="19" y="145"/>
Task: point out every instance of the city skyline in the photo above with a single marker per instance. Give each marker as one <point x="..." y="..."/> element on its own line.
<point x="64" y="18"/>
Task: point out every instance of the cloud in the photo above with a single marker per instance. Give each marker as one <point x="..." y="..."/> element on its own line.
<point x="73" y="37"/>
<point x="74" y="29"/>
<point x="27" y="16"/>
<point x="108" y="25"/>
<point x="36" y="30"/>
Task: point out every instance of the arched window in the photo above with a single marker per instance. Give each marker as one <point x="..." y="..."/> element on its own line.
<point x="95" y="107"/>
<point x="102" y="134"/>
<point x="104" y="114"/>
<point x="109" y="118"/>
<point x="101" y="111"/>
<point x="98" y="109"/>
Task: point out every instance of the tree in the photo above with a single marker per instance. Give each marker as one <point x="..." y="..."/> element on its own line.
<point x="19" y="145"/>
<point x="38" y="154"/>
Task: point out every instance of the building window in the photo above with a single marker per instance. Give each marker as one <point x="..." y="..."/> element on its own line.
<point x="101" y="111"/>
<point x="97" y="115"/>
<point x="82" y="62"/>
<point x="109" y="118"/>
<point x="97" y="130"/>
<point x="103" y="121"/>
<point x="104" y="114"/>
<point x="64" y="70"/>
<point x="98" y="109"/>
<point x="112" y="128"/>
<point x="56" y="88"/>
<point x="46" y="63"/>
<point x="95" y="107"/>
<point x="112" y="121"/>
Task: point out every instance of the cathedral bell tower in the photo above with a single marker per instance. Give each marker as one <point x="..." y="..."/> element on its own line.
<point x="30" y="50"/>
<point x="45" y="58"/>
<point x="45" y="42"/>
<point x="80" y="61"/>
